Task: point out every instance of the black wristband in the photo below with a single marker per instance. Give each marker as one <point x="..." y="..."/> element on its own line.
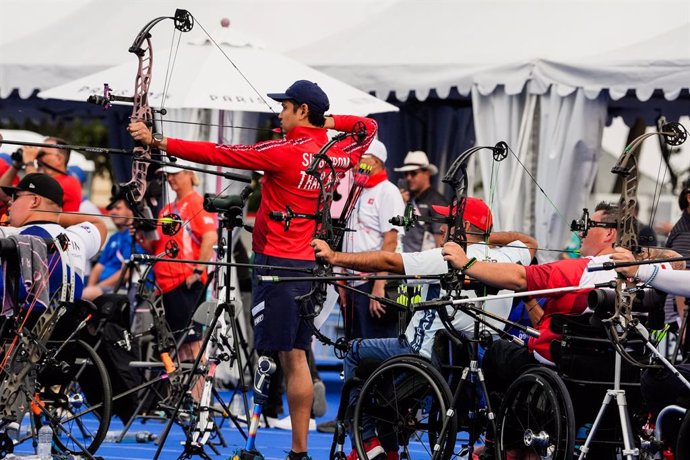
<point x="198" y="271"/>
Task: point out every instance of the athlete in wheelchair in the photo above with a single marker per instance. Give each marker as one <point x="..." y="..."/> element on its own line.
<point x="404" y="402"/>
<point x="44" y="254"/>
<point x="530" y="391"/>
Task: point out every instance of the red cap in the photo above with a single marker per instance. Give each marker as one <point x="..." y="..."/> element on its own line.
<point x="477" y="213"/>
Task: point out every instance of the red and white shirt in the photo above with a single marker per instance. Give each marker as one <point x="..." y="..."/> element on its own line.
<point x="284" y="163"/>
<point x="371" y="218"/>
<point x="562" y="273"/>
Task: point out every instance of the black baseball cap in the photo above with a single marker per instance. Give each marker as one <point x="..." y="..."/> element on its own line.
<point x="304" y="92"/>
<point x="40" y="184"/>
<point x="114" y="199"/>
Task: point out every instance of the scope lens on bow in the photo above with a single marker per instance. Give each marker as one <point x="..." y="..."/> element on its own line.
<point x="601" y="300"/>
<point x="649" y="301"/>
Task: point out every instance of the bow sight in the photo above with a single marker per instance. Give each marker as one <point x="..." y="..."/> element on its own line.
<point x="585" y="223"/>
<point x="407" y="220"/>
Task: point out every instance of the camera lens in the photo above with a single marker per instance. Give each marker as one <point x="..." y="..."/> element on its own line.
<point x="18" y="156"/>
<point x="214" y="203"/>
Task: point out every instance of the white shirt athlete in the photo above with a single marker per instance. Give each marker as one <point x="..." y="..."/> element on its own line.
<point x="422" y="328"/>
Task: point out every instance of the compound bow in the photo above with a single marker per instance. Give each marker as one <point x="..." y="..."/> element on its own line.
<point x="627" y="235"/>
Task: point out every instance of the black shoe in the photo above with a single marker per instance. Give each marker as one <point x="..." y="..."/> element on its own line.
<point x="326" y="427"/>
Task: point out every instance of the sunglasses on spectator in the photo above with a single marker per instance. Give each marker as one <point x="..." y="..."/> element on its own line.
<point x="412" y="173"/>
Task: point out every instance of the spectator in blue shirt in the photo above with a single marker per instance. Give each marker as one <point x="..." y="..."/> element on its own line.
<point x="107" y="275"/>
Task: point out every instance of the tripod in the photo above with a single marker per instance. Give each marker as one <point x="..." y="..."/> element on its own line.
<point x="473" y="374"/>
<point x="229" y="219"/>
<point x="629" y="451"/>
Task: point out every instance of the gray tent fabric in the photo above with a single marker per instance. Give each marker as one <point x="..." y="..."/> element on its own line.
<point x="570" y="134"/>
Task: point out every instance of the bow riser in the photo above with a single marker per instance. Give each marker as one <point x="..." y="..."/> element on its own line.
<point x="627" y="225"/>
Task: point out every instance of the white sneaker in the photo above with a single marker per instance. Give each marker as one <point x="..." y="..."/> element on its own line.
<point x="286" y="424"/>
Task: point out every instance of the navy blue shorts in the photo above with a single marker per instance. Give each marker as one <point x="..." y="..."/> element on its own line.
<point x="278" y="324"/>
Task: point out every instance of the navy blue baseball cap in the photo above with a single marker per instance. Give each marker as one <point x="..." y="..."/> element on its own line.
<point x="304" y="92"/>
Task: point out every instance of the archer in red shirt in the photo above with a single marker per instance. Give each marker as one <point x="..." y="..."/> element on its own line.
<point x="278" y="326"/>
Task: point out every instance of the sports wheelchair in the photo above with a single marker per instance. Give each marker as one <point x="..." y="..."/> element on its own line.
<point x="417" y="413"/>
<point x="41" y="380"/>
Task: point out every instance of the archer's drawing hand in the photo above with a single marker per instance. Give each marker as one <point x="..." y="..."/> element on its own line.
<point x="454" y="254"/>
<point x="323" y="251"/>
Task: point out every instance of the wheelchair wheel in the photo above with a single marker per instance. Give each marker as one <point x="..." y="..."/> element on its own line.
<point x="76" y="396"/>
<point x="406" y="400"/>
<point x="536" y="418"/>
<point x="683" y="442"/>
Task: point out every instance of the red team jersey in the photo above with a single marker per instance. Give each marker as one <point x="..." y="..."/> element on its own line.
<point x="169" y="275"/>
<point x="283" y="162"/>
<point x="71" y="189"/>
<point x="563" y="273"/>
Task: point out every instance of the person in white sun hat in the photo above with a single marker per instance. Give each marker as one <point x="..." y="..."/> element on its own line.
<point x="417" y="172"/>
<point x="418" y="192"/>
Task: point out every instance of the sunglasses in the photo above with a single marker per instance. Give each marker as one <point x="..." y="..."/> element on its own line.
<point x="16" y="196"/>
<point x="411" y="173"/>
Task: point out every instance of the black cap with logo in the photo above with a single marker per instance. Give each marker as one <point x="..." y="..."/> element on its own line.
<point x="39" y="184"/>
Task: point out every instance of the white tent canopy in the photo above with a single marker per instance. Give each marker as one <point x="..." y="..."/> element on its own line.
<point x="661" y="62"/>
<point x="68" y="39"/>
<point x="230" y="76"/>
<point x="392" y="45"/>
<point x="446" y="43"/>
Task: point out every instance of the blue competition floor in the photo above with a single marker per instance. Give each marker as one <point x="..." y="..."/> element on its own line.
<point x="272" y="443"/>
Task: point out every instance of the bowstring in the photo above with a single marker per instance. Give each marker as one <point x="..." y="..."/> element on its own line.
<point x="541" y="189"/>
<point x="213" y="125"/>
<point x="657" y="187"/>
<point x="244" y="77"/>
<point x="495" y="171"/>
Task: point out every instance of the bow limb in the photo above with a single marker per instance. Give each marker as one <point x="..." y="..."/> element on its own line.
<point x="134" y="191"/>
<point x="627" y="232"/>
<point x="456" y="178"/>
<point x="141" y="109"/>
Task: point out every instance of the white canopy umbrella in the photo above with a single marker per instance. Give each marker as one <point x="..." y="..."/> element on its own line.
<point x="237" y="78"/>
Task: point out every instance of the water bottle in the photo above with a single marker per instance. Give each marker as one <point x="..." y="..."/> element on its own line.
<point x="130" y="437"/>
<point x="45" y="443"/>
